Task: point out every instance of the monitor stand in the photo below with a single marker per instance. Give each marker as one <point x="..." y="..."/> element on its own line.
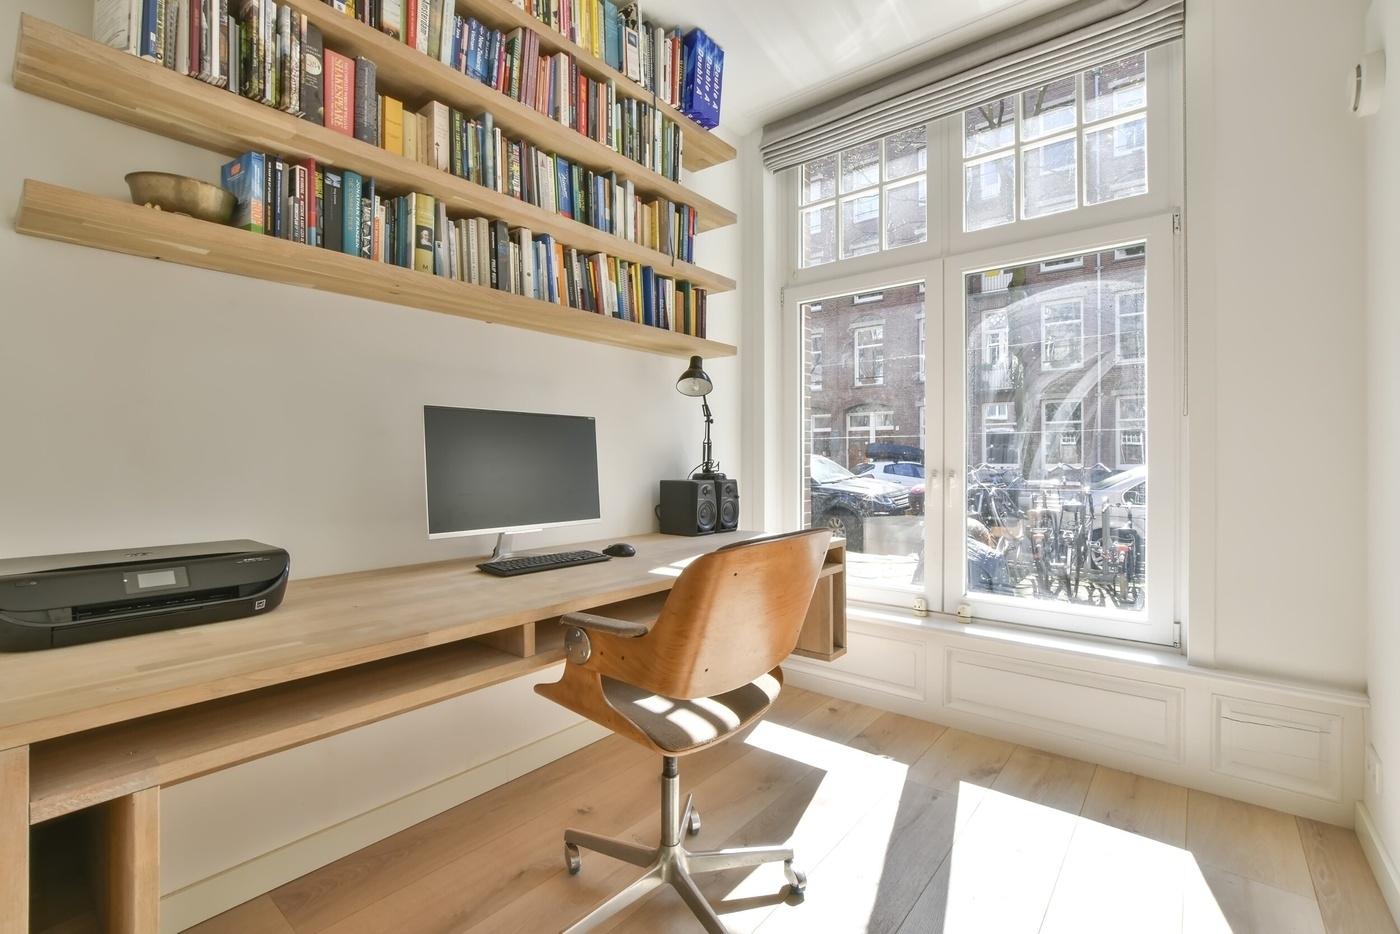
<point x="504" y="547"/>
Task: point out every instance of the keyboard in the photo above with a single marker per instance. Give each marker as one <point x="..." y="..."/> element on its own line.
<point x="528" y="564"/>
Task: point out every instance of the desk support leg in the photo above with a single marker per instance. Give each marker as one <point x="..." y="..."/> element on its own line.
<point x="14" y="840"/>
<point x="126" y="870"/>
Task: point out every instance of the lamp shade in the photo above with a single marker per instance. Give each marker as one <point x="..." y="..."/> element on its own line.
<point x="695" y="381"/>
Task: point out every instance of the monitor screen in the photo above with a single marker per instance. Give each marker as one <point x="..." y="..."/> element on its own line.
<point x="490" y="471"/>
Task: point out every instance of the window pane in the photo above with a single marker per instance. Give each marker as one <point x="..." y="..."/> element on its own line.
<point x="989" y="127"/>
<point x="818" y="235"/>
<point x="860" y="225"/>
<point x="906" y="153"/>
<point x="906" y="214"/>
<point x="819" y="180"/>
<point x="1115" y="161"/>
<point x="1056" y="450"/>
<point x="990" y="198"/>
<point x="870" y="389"/>
<point x="860" y="167"/>
<point x="1115" y="88"/>
<point x="1050" y="176"/>
<point x="1048" y="109"/>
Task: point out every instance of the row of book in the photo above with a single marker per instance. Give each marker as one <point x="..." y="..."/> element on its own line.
<point x="341" y="210"/>
<point x="512" y="64"/>
<point x="684" y="69"/>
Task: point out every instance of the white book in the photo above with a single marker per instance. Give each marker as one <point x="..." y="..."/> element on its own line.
<point x="391" y="18"/>
<point x="438" y="135"/>
<point x="526" y="241"/>
<point x="182" y="37"/>
<point x="473" y="249"/>
<point x="449" y="33"/>
<point x="117" y="23"/>
<point x="424" y="15"/>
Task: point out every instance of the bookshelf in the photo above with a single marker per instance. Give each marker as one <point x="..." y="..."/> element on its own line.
<point x="76" y="71"/>
<point x="56" y="213"/>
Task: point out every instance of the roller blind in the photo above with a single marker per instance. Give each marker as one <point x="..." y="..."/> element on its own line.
<point x="1076" y="37"/>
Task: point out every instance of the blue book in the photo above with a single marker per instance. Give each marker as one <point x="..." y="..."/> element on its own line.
<point x="612" y="35"/>
<point x="244" y="177"/>
<point x="648" y="296"/>
<point x="564" y="186"/>
<point x="352" y="190"/>
<point x="150" y="15"/>
<point x="550" y="273"/>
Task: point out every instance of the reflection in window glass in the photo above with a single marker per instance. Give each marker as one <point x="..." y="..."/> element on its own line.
<point x="1050" y="178"/>
<point x="906" y="153"/>
<point x="883" y="205"/>
<point x="860" y="167"/>
<point x="1115" y="88"/>
<point x="1115" y="161"/>
<point x="1056" y="451"/>
<point x="818" y="182"/>
<point x="860" y="225"/>
<point x="989" y="127"/>
<point x="906" y="214"/>
<point x="818" y="235"/>
<point x="1048" y="109"/>
<point x="990" y="198"/>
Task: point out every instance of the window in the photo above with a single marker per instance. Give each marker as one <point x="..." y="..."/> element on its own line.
<point x="1131" y="345"/>
<point x="1132" y="415"/>
<point x="1043" y="132"/>
<point x="821" y="422"/>
<point x="1062" y="334"/>
<point x="870" y="355"/>
<point x="879" y="192"/>
<point x="814" y="373"/>
<point x="1021" y="382"/>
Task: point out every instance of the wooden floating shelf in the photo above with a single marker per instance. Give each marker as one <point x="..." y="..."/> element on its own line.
<point x="701" y="148"/>
<point x="56" y="213"/>
<point x="417" y="79"/>
<point x="70" y="69"/>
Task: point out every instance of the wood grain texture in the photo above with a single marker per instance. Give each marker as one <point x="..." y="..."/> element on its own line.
<point x="957" y="757"/>
<point x="1046" y="778"/>
<point x="1247" y="840"/>
<point x="79" y="72"/>
<point x="127" y="871"/>
<point x="1142" y="805"/>
<point x="14" y="840"/>
<point x="259" y="916"/>
<point x="1251" y="907"/>
<point x="55" y="213"/>
<point x="1346" y="892"/>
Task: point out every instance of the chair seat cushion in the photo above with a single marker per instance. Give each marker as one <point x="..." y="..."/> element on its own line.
<point x="680" y="726"/>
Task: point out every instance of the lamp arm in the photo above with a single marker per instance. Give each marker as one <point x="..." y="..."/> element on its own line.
<point x="708" y="467"/>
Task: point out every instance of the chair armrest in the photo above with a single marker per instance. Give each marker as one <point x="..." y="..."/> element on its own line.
<point x="615" y="627"/>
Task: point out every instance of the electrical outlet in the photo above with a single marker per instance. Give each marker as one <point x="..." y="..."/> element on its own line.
<point x="1373" y="770"/>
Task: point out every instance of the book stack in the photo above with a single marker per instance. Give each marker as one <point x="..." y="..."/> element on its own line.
<point x="704" y="79"/>
<point x="188" y="36"/>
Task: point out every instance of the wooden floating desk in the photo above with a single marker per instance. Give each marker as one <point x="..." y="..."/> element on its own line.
<point x="105" y="726"/>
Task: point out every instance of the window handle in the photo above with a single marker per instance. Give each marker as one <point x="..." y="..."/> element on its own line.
<point x="948" y="487"/>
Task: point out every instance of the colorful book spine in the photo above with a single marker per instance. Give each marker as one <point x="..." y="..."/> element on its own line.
<point x="313" y="100"/>
<point x="352" y="191"/>
<point x="244" y="177"/>
<point x="339" y="93"/>
<point x="366" y="108"/>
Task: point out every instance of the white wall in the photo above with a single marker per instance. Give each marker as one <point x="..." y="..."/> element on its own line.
<point x="147" y="403"/>
<point x="1383" y="391"/>
<point x="1277" y="324"/>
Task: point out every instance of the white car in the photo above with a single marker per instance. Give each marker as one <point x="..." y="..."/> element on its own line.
<point x="905" y="473"/>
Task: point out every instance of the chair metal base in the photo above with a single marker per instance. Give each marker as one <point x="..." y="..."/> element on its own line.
<point x="670" y="863"/>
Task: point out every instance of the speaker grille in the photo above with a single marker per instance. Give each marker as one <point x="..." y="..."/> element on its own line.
<point x="705" y="511"/>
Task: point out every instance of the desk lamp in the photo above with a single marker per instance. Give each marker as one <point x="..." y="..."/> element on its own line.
<point x="696" y="382"/>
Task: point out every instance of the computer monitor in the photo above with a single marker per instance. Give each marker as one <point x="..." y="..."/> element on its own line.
<point x="489" y="471"/>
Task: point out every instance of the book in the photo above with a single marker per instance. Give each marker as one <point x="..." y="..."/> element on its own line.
<point x="352" y="190"/>
<point x="391" y="18"/>
<point x="369" y="205"/>
<point x="500" y="261"/>
<point x="313" y="102"/>
<point x="244" y="177"/>
<point x="366" y="102"/>
<point x="391" y="124"/>
<point x="424" y="219"/>
<point x="310" y="194"/>
<point x="339" y="83"/>
<point x="332" y="211"/>
<point x="438" y="135"/>
<point x="117" y="23"/>
<point x="526" y="242"/>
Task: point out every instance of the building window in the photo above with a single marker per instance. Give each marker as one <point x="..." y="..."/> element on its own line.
<point x="821" y="422"/>
<point x="1132" y="419"/>
<point x="864" y="199"/>
<point x="1132" y="344"/>
<point x="814" y="376"/>
<point x="870" y="355"/>
<point x="1044" y="131"/>
<point x="1064" y="433"/>
<point x="1062" y="334"/>
<point x="923" y="346"/>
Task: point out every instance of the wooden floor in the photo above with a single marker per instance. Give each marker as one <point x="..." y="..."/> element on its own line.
<point x="903" y="827"/>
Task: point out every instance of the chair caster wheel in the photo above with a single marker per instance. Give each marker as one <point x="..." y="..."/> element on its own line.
<point x="693" y="827"/>
<point x="572" y="859"/>
<point x="797" y="879"/>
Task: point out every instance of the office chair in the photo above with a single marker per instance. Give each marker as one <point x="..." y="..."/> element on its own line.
<point x="706" y="669"/>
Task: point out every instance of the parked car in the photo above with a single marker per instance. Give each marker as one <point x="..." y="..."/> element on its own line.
<point x="842" y="501"/>
<point x="905" y="473"/>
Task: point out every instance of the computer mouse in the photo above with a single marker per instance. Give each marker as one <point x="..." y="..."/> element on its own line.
<point x="620" y="550"/>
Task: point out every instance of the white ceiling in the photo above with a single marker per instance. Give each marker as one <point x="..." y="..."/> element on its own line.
<point x="783" y="55"/>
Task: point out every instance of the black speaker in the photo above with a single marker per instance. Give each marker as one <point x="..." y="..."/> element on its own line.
<point x="689" y="507"/>
<point x="728" y="491"/>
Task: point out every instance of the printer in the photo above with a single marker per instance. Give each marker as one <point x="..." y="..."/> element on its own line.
<point x="57" y="600"/>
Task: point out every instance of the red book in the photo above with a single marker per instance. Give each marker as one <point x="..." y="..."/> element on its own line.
<point x="410" y="21"/>
<point x="340" y="92"/>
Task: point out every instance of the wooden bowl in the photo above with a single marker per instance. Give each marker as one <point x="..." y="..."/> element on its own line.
<point x="179" y="194"/>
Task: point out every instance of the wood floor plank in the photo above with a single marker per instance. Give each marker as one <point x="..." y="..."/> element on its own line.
<point x="1252" y="907"/>
<point x="259" y="916"/>
<point x="1142" y="805"/>
<point x="1247" y="840"/>
<point x="926" y="917"/>
<point x="957" y="757"/>
<point x="903" y="739"/>
<point x="1045" y="778"/>
<point x="317" y="900"/>
<point x="1347" y="893"/>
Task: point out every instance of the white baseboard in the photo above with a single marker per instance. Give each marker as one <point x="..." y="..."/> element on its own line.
<point x="208" y="897"/>
<point x="1382" y="866"/>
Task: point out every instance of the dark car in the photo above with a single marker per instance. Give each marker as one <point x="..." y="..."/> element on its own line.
<point x="842" y="502"/>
